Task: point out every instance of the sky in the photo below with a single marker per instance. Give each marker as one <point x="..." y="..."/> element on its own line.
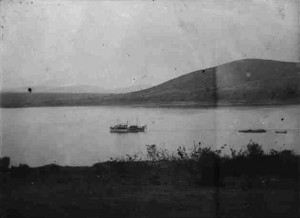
<point x="113" y="44"/>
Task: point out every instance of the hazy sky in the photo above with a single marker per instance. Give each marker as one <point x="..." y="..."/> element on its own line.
<point x="119" y="43"/>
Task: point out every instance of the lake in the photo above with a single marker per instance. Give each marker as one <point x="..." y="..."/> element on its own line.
<point x="80" y="135"/>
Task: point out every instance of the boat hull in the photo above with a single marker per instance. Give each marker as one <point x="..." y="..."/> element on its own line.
<point x="281" y="131"/>
<point x="118" y="130"/>
<point x="253" y="131"/>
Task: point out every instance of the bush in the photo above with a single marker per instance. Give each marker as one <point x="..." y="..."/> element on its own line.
<point x="155" y="154"/>
<point x="4" y="164"/>
<point x="181" y="152"/>
<point x="204" y="153"/>
<point x="207" y="165"/>
<point x="21" y="170"/>
<point x="254" y="150"/>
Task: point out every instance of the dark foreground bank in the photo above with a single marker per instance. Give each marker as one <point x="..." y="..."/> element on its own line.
<point x="202" y="183"/>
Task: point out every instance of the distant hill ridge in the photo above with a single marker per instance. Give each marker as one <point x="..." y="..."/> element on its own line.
<point x="238" y="82"/>
<point x="242" y="82"/>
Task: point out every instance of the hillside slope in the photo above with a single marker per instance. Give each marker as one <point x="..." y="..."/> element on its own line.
<point x="246" y="82"/>
<point x="249" y="81"/>
<point x="254" y="81"/>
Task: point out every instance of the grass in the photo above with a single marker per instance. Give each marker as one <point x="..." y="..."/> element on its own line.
<point x="198" y="183"/>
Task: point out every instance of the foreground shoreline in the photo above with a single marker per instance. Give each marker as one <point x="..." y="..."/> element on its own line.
<point x="142" y="191"/>
<point x="250" y="184"/>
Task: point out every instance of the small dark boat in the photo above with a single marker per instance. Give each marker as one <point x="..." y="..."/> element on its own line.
<point x="253" y="131"/>
<point x="281" y="131"/>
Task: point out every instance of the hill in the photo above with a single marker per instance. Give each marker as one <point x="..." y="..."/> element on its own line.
<point x="249" y="81"/>
<point x="258" y="81"/>
<point x="242" y="82"/>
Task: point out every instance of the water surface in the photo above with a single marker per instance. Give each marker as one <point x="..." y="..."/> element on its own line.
<point x="80" y="135"/>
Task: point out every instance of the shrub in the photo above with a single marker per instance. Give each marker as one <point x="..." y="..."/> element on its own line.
<point x="254" y="150"/>
<point x="204" y="153"/>
<point x="4" y="163"/>
<point x="287" y="153"/>
<point x="181" y="152"/>
<point x="155" y="154"/>
<point x="152" y="152"/>
<point x="21" y="170"/>
<point x="273" y="152"/>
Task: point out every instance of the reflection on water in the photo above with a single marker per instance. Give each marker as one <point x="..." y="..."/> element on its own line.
<point x="80" y="135"/>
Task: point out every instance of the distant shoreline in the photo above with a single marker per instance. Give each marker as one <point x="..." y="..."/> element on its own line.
<point x="79" y="103"/>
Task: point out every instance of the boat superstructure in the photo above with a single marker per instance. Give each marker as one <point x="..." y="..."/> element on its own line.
<point x="119" y="128"/>
<point x="125" y="128"/>
<point x="136" y="128"/>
